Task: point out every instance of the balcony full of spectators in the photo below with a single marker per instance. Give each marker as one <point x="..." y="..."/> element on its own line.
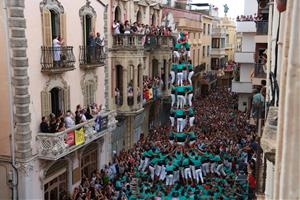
<point x="139" y="36"/>
<point x="65" y="133"/>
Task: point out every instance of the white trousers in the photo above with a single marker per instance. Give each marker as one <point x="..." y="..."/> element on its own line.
<point x="173" y="99"/>
<point x="162" y="173"/>
<point x="176" y="176"/>
<point x="187" y="173"/>
<point x="190" y="77"/>
<point x="157" y="170"/>
<point x="180" y="123"/>
<point x="205" y="168"/>
<point x="172" y="76"/>
<point x="169" y="180"/>
<point x="181" y="101"/>
<point x="213" y="167"/>
<point x="172" y="121"/>
<point x="220" y="170"/>
<point x="193" y="171"/>
<point x="190" y="97"/>
<point x="141" y="164"/>
<point x="191" y="121"/>
<point x="151" y="169"/>
<point x="199" y="176"/>
<point x="146" y="163"/>
<point x="179" y="78"/>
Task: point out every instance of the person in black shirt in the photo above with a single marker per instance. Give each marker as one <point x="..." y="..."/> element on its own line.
<point x="44" y="127"/>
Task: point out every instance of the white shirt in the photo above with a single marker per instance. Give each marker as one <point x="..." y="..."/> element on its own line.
<point x="69" y="122"/>
<point x="116" y="27"/>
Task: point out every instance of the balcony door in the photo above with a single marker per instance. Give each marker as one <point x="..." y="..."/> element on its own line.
<point x="89" y="160"/>
<point x="87" y="28"/>
<point x="154" y="68"/>
<point x="57" y="100"/>
<point x="55" y="23"/>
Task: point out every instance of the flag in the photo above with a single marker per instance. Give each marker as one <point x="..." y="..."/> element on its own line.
<point x="70" y="138"/>
<point x="79" y="136"/>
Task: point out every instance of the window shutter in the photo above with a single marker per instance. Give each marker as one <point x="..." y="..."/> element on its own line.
<point x="84" y="30"/>
<point x="67" y="98"/>
<point x="45" y="103"/>
<point x="63" y="30"/>
<point x="47" y="29"/>
<point x="94" y="24"/>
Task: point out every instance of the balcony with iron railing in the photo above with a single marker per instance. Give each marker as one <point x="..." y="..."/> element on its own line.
<point x="52" y="146"/>
<point x="258" y="74"/>
<point x="262" y="27"/>
<point x="56" y="60"/>
<point x="138" y="42"/>
<point x="158" y="42"/>
<point x="91" y="57"/>
<point x="128" y="42"/>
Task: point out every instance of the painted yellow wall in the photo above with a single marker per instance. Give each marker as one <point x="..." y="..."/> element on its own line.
<point x="206" y="40"/>
<point x="230" y="27"/>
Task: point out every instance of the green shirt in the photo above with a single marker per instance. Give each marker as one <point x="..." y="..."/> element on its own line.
<point x="169" y="168"/>
<point x="174" y="67"/>
<point x="189" y="88"/>
<point x="191" y="112"/>
<point x="180" y="66"/>
<point x="180" y="89"/>
<point x="179" y="113"/>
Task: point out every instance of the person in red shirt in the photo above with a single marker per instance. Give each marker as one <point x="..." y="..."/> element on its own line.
<point x="252" y="185"/>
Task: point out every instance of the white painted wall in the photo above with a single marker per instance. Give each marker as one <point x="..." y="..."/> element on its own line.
<point x="248" y="42"/>
<point x="250" y="7"/>
<point x="245" y="72"/>
<point x="269" y="180"/>
<point x="243" y="98"/>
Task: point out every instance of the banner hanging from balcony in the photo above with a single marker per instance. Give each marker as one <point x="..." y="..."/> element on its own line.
<point x="79" y="136"/>
<point x="70" y="138"/>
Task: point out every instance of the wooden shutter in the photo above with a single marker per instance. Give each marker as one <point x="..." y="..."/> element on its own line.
<point x="67" y="98"/>
<point x="63" y="30"/>
<point x="47" y="29"/>
<point x="84" y="29"/>
<point x="45" y="103"/>
<point x="93" y="24"/>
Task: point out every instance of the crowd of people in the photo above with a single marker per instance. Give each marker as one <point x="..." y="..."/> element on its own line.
<point x="63" y="121"/>
<point x="254" y="17"/>
<point x="224" y="149"/>
<point x="139" y="28"/>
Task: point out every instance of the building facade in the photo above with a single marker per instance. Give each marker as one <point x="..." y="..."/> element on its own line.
<point x="132" y="59"/>
<point x="53" y="69"/>
<point x="230" y="42"/>
<point x="245" y="57"/>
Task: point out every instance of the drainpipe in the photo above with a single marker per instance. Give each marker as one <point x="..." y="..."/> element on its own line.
<point x="14" y="181"/>
<point x="271" y="5"/>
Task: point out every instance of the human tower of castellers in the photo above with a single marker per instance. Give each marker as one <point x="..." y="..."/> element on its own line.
<point x="186" y="164"/>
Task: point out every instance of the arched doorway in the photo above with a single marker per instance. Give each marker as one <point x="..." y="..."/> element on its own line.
<point x="118" y="14"/>
<point x="154" y="68"/>
<point x="89" y="160"/>
<point x="57" y="100"/>
<point x="55" y="23"/>
<point x="55" y="181"/>
<point x="139" y="17"/>
<point x="119" y="84"/>
<point x="153" y="19"/>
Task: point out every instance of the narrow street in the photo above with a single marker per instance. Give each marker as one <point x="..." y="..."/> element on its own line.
<point x="222" y="157"/>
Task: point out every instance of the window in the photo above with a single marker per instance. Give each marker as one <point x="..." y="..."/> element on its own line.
<point x="214" y="63"/>
<point x="208" y="50"/>
<point x="204" y="29"/>
<point x="90" y="90"/>
<point x="89" y="162"/>
<point x="53" y="24"/>
<point x="55" y="99"/>
<point x="203" y="51"/>
<point x="215" y="43"/>
<point x="208" y="29"/>
<point x="222" y="42"/>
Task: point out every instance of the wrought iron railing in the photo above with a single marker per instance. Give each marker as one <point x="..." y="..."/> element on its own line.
<point x="128" y="41"/>
<point x="259" y="71"/>
<point x="262" y="27"/>
<point x="57" y="57"/>
<point x="91" y="55"/>
<point x="52" y="146"/>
